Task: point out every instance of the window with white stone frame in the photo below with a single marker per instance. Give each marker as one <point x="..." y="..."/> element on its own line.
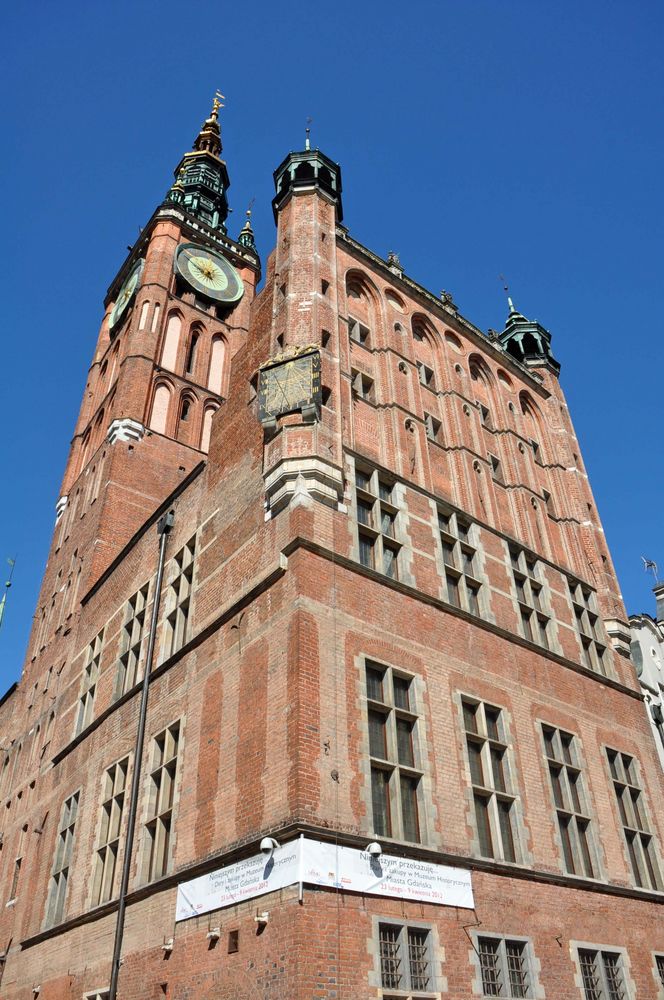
<point x="86" y="698"/>
<point x="97" y="995"/>
<point x="161" y="802"/>
<point x="602" y="974"/>
<point x="64" y="846"/>
<point x="575" y="827"/>
<point x="462" y="586"/>
<point x="178" y="598"/>
<point x="658" y="972"/>
<point x="631" y="803"/>
<point x="504" y="966"/>
<point x="494" y="794"/>
<point x="530" y="592"/>
<point x="393" y="721"/>
<point x="133" y="632"/>
<point x="588" y="626"/>
<point x="108" y="842"/>
<point x="377" y="519"/>
<point x="406" y="961"/>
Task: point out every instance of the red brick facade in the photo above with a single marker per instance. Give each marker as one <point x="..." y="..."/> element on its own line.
<point x="434" y="520"/>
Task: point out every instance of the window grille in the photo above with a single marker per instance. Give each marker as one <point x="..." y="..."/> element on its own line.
<point x="602" y="975"/>
<point x="405" y="960"/>
<point x="504" y="967"/>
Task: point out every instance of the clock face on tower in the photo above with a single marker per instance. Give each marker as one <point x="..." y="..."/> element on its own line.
<point x="208" y="273"/>
<point x="126" y="294"/>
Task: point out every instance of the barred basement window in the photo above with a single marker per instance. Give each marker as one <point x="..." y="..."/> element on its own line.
<point x="162" y="789"/>
<point x="358" y="332"/>
<point x="530" y="594"/>
<point x="363" y="385"/>
<point x="395" y="776"/>
<point x="57" y="890"/>
<point x="659" y="963"/>
<point x="493" y="796"/>
<point x="132" y="637"/>
<point x="588" y="625"/>
<point x="405" y="961"/>
<point x="504" y="967"/>
<point x="376" y="523"/>
<point x="106" y="855"/>
<point x="432" y="427"/>
<point x="632" y="809"/>
<point x="602" y="975"/>
<point x="570" y="800"/>
<point x="178" y="598"/>
<point x="459" y="558"/>
<point x="426" y="375"/>
<point x="89" y="684"/>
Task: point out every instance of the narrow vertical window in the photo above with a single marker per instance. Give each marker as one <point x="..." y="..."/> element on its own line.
<point x="636" y="831"/>
<point x="106" y="855"/>
<point x="57" y="890"/>
<point x="493" y="795"/>
<point x="159" y="827"/>
<point x="15" y="877"/>
<point x="191" y="352"/>
<point x="570" y="801"/>
<point x="178" y="600"/>
<point x="395" y="778"/>
<point x="89" y="683"/>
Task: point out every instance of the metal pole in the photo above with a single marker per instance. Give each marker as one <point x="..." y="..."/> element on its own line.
<point x="164" y="526"/>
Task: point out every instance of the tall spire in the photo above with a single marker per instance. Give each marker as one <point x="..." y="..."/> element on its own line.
<point x="201" y="175"/>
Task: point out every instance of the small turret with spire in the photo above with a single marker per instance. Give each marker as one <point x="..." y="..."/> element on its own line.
<point x="246" y="237"/>
<point x="201" y="175"/>
<point x="527" y="340"/>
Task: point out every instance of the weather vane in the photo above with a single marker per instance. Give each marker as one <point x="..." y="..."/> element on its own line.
<point x="506" y="289"/>
<point x="217" y="101"/>
<point x="8" y="584"/>
<point x="307" y="130"/>
<point x="650" y="566"/>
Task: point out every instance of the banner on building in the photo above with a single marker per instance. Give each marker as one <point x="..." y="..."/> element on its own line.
<point x="316" y="863"/>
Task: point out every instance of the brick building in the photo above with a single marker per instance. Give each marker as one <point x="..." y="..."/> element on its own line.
<point x="387" y="614"/>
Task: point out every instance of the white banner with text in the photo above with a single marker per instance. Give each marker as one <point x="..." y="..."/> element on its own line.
<point x="313" y="862"/>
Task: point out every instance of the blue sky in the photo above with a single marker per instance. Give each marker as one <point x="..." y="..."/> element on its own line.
<point x="475" y="138"/>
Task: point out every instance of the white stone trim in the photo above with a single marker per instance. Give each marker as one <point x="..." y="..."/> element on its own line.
<point x="125" y="430"/>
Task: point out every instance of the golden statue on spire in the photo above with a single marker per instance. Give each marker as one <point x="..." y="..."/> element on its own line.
<point x="217" y="103"/>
